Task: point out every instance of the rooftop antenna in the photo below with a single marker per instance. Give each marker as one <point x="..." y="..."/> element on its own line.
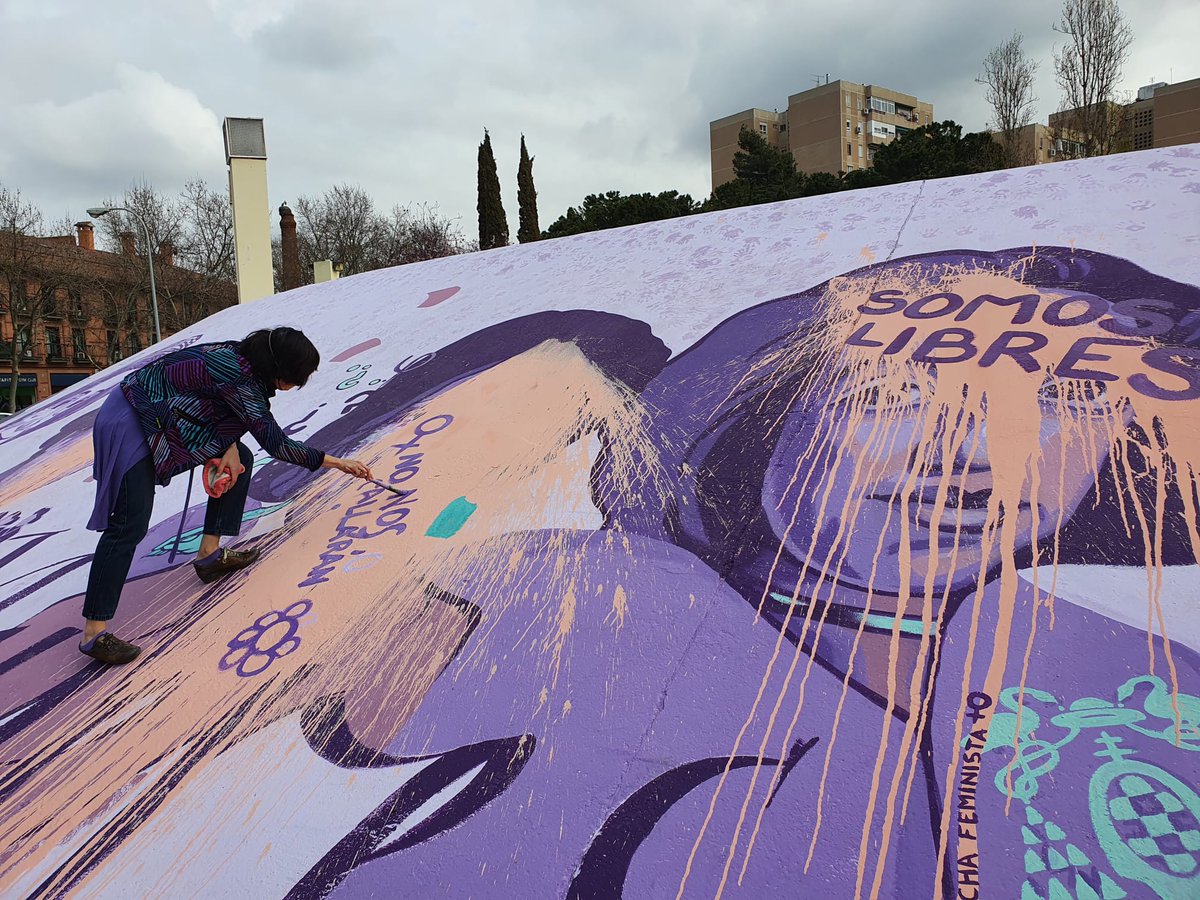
<point x="816" y="79"/>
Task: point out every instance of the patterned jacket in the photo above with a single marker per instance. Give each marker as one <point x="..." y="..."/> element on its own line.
<point x="196" y="402"/>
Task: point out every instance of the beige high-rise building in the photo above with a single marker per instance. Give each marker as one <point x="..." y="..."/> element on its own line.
<point x="1163" y="115"/>
<point x="834" y="127"/>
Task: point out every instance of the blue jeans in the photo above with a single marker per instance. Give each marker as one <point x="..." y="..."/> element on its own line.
<point x="130" y="520"/>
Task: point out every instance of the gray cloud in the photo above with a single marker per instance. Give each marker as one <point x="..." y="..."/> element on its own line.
<point x="317" y="36"/>
<point x="395" y="96"/>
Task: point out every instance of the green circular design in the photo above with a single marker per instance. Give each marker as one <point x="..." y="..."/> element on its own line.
<point x="1141" y="858"/>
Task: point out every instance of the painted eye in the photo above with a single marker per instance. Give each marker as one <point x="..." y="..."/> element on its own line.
<point x="879" y="394"/>
<point x="1075" y="394"/>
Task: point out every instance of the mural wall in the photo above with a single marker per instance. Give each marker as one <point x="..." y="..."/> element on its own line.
<point x="842" y="547"/>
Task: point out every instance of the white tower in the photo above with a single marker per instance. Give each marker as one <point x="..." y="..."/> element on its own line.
<point x="246" y="156"/>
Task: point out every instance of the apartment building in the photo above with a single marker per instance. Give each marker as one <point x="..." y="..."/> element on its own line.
<point x="834" y="127"/>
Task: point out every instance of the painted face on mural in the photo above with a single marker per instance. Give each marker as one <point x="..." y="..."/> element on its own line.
<point x="888" y="476"/>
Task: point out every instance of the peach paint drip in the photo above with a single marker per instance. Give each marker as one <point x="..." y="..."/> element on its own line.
<point x="868" y="607"/>
<point x="822" y="579"/>
<point x="878" y="432"/>
<point x="374" y="625"/>
<point x="1090" y="434"/>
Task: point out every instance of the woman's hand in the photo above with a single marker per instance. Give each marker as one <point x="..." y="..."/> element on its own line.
<point x="231" y="462"/>
<point x="349" y="466"/>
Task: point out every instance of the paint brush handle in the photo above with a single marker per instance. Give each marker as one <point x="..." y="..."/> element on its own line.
<point x="386" y="487"/>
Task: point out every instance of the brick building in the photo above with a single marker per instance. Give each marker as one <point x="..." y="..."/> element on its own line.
<point x="68" y="309"/>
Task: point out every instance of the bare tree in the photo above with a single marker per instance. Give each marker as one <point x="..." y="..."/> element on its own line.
<point x="1087" y="68"/>
<point x="344" y="226"/>
<point x="160" y="213"/>
<point x="207" y="245"/>
<point x="417" y="233"/>
<point x="1008" y="74"/>
<point x="341" y="225"/>
<point x="26" y="304"/>
<point x="193" y="248"/>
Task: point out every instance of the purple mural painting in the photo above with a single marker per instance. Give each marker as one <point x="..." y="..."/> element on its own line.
<point x="801" y="549"/>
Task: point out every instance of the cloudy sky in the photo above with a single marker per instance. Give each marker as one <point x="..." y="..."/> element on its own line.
<point x="394" y="96"/>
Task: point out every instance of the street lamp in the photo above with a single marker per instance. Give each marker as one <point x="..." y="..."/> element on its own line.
<point x="96" y="212"/>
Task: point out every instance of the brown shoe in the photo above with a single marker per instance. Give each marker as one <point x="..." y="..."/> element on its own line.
<point x="223" y="562"/>
<point x="110" y="649"/>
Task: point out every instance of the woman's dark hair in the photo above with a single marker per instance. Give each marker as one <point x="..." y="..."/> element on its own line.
<point x="282" y="353"/>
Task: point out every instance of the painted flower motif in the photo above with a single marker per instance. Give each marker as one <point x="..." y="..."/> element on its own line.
<point x="271" y="636"/>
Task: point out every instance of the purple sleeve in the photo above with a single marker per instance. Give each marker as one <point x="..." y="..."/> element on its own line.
<point x="253" y="409"/>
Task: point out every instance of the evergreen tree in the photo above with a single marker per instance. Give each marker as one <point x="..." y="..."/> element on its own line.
<point x="493" y="226"/>
<point x="614" y="210"/>
<point x="937" y="150"/>
<point x="762" y="174"/>
<point x="528" y="229"/>
<point x="766" y="174"/>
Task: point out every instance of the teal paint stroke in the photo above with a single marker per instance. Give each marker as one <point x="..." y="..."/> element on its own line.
<point x="452" y="518"/>
<point x="875" y="622"/>
<point x="189" y="541"/>
<point x="907" y="625"/>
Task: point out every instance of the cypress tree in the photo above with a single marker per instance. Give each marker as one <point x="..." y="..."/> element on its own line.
<point x="493" y="226"/>
<point x="527" y="199"/>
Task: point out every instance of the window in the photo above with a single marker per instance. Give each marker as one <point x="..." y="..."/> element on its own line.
<point x="860" y="151"/>
<point x="79" y="344"/>
<point x="762" y="127"/>
<point x="847" y="101"/>
<point x="883" y="106"/>
<point x="849" y="150"/>
<point x="54" y="343"/>
<point x="1064" y="147"/>
<point x="114" y="347"/>
<point x="49" y="301"/>
<point x="23" y="344"/>
<point x="18" y="293"/>
<point x="847" y="126"/>
<point x="134" y="342"/>
<point x="74" y="303"/>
